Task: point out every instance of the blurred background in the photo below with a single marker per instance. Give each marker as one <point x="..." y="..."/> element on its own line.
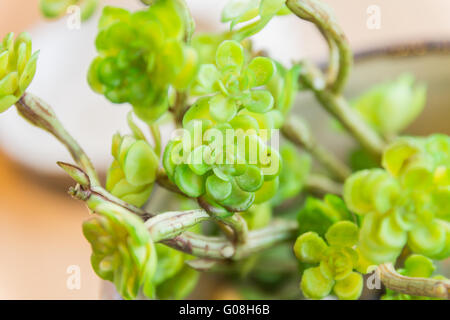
<point x="40" y="232"/>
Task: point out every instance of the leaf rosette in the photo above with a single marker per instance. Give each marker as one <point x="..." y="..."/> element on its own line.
<point x="223" y="163"/>
<point x="122" y="251"/>
<point x="334" y="262"/>
<point x="141" y="56"/>
<point x="405" y="203"/>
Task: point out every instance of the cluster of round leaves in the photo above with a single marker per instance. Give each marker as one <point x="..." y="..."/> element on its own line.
<point x="332" y="262"/>
<point x="407" y="202"/>
<point x="57" y="8"/>
<point x="232" y="83"/>
<point x="122" y="251"/>
<point x="141" y="56"/>
<point x="416" y="266"/>
<point x="133" y="171"/>
<point x="401" y="99"/>
<point x="17" y="68"/>
<point x="222" y="154"/>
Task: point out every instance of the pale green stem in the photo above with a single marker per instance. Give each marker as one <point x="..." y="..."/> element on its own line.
<point x="171" y="224"/>
<point x="220" y="248"/>
<point x="296" y="131"/>
<point x="315" y="12"/>
<point x="413" y="286"/>
<point x="156" y="134"/>
<point x="170" y="229"/>
<point x="317" y="183"/>
<point x="235" y="222"/>
<point x="40" y="114"/>
<point x="338" y="107"/>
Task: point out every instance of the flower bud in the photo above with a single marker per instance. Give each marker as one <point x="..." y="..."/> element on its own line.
<point x="17" y="68"/>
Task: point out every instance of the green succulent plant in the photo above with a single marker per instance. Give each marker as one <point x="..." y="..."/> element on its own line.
<point x="336" y="260"/>
<point x="17" y="68"/>
<point x="141" y="56"/>
<point x="122" y="251"/>
<point x="406" y="202"/>
<point x="222" y="166"/>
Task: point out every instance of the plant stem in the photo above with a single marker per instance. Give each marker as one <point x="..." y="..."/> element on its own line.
<point x="156" y="134"/>
<point x="41" y="115"/>
<point x="413" y="286"/>
<point x="315" y="12"/>
<point x="296" y="131"/>
<point x="235" y="222"/>
<point x="170" y="228"/>
<point x="318" y="183"/>
<point x="179" y="108"/>
<point x="220" y="248"/>
<point x="338" y="107"/>
<point x="171" y="224"/>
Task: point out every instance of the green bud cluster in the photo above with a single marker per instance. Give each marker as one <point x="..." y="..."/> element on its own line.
<point x="335" y="261"/>
<point x="407" y="202"/>
<point x="390" y="107"/>
<point x="226" y="174"/>
<point x="416" y="266"/>
<point x="228" y="162"/>
<point x="122" y="251"/>
<point x="17" y="68"/>
<point x="57" y="8"/>
<point x="232" y="83"/>
<point x="141" y="56"/>
<point x="133" y="172"/>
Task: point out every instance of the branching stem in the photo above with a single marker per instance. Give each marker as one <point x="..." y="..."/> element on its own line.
<point x="413" y="286"/>
<point x="296" y="131"/>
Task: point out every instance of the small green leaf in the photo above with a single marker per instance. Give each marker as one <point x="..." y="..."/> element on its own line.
<point x="349" y="288"/>
<point x="267" y="191"/>
<point x="310" y="247"/>
<point x="261" y="70"/>
<point x="229" y="54"/>
<point x="76" y="173"/>
<point x="217" y="188"/>
<point x="419" y="266"/>
<point x="251" y="180"/>
<point x="342" y="233"/>
<point x="260" y="101"/>
<point x="6" y="102"/>
<point x="140" y="164"/>
<point x="9" y="84"/>
<point x="222" y="108"/>
<point x="191" y="184"/>
<point x="314" y="285"/>
<point x="197" y="161"/>
<point x="269" y="8"/>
